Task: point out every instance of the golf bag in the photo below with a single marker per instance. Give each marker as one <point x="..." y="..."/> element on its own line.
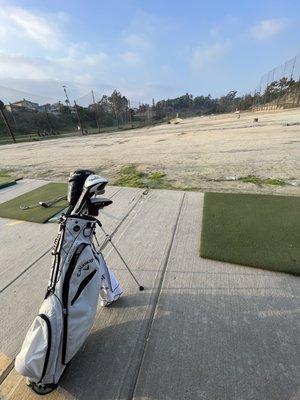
<point x="78" y="275"/>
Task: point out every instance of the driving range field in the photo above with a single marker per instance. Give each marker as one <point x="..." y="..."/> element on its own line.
<point x="202" y="153"/>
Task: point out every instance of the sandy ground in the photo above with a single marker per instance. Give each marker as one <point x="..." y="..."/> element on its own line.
<point x="193" y="154"/>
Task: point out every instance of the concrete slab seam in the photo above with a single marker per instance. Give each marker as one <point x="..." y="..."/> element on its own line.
<point x="156" y="300"/>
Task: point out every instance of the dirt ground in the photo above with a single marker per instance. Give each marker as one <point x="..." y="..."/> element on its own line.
<point x="202" y="153"/>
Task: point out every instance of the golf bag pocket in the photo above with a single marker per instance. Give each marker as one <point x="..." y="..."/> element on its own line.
<point x="110" y="289"/>
<point x="80" y="297"/>
<point x="40" y="348"/>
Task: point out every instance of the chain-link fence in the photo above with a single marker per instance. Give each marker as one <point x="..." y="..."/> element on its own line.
<point x="26" y="116"/>
<point x="280" y="87"/>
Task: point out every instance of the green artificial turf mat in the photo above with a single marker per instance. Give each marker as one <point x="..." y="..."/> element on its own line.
<point x="6" y="181"/>
<point x="11" y="208"/>
<point x="250" y="229"/>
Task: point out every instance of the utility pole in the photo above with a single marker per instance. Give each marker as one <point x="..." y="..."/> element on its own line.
<point x="96" y="111"/>
<point x="148" y="114"/>
<point x="78" y="117"/>
<point x="297" y="92"/>
<point x="6" y="121"/>
<point x="130" y="114"/>
<point x="67" y="101"/>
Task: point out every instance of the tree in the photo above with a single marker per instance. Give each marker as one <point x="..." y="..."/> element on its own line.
<point x="226" y="103"/>
<point x="119" y="105"/>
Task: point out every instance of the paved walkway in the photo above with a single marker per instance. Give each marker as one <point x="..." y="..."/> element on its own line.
<point x="201" y="330"/>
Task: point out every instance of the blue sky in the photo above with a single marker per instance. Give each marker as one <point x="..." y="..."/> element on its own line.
<point x="146" y="49"/>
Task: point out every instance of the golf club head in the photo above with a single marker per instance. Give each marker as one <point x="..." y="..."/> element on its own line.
<point x="76" y="182"/>
<point x="96" y="204"/>
<point x="93" y="185"/>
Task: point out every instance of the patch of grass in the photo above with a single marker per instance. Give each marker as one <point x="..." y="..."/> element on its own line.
<point x="260" y="231"/>
<point x="157" y="180"/>
<point x="50" y="191"/>
<point x="5" y="173"/>
<point x="6" y="179"/>
<point x="261" y="181"/>
<point x="131" y="177"/>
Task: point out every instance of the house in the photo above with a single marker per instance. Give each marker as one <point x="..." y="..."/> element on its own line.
<point x="54" y="108"/>
<point x="22" y="105"/>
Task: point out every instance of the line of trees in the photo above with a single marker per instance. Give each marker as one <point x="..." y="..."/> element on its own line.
<point x="284" y="90"/>
<point x="115" y="110"/>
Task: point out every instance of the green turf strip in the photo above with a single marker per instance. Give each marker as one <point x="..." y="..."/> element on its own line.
<point x="6" y="181"/>
<point x="11" y="208"/>
<point x="250" y="229"/>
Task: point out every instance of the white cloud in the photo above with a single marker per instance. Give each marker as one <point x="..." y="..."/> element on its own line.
<point x="267" y="29"/>
<point x="30" y="25"/>
<point x="18" y="66"/>
<point x="95" y="59"/>
<point x="130" y="57"/>
<point x="35" y="49"/>
<point x="83" y="80"/>
<point x="215" y="32"/>
<point x="206" y="55"/>
<point x="137" y="41"/>
<point x="37" y="55"/>
<point x="141" y="37"/>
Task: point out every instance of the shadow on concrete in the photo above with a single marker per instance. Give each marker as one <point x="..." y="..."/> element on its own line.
<point x="202" y="346"/>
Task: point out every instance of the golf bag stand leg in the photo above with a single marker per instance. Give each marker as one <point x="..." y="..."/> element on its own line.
<point x="108" y="239"/>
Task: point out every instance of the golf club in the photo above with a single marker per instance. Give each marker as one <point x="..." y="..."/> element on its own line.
<point x="75" y="185"/>
<point x="47" y="203"/>
<point x="51" y="202"/>
<point x="93" y="185"/>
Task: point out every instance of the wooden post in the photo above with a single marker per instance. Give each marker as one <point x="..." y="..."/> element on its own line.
<point x="96" y="111"/>
<point x="6" y="122"/>
<point x="130" y="114"/>
<point x="78" y="117"/>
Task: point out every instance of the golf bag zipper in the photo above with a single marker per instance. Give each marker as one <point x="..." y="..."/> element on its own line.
<point x="46" y="319"/>
<point x="65" y="295"/>
<point x="82" y="285"/>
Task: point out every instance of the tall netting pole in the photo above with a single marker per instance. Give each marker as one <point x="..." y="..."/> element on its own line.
<point x="298" y="92"/>
<point x="282" y="83"/>
<point x="78" y="118"/>
<point x="6" y="121"/>
<point x="96" y="111"/>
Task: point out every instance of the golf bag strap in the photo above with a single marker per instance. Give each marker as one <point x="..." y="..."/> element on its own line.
<point x="56" y="257"/>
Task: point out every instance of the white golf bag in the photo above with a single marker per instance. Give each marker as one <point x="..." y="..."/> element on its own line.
<point x="78" y="275"/>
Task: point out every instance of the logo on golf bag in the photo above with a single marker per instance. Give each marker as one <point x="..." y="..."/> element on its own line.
<point x="85" y="266"/>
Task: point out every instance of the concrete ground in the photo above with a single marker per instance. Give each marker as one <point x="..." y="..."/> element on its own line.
<point x="202" y="329"/>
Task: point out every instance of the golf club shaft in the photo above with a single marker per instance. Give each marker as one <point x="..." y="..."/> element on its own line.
<point x="108" y="237"/>
<point x="51" y="202"/>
